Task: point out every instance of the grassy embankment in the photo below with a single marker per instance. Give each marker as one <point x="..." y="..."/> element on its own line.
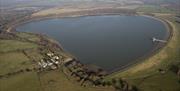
<point x="146" y="75"/>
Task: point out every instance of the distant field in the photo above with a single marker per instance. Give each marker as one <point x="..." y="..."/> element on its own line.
<point x="154" y="9"/>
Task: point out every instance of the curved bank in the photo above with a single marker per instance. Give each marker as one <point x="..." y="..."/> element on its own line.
<point x="30" y="19"/>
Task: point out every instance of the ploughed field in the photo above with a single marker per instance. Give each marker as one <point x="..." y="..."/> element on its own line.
<point x="108" y="41"/>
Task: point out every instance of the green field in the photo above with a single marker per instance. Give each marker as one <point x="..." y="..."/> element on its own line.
<point x="21" y="82"/>
<point x="28" y="36"/>
<point x="11" y="62"/>
<point x="13" y="45"/>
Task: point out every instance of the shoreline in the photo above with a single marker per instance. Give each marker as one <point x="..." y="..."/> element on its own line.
<point x="153" y="52"/>
<point x="31" y="19"/>
<point x="156" y="50"/>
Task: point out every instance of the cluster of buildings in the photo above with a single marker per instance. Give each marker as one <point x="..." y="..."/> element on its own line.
<point x="51" y="61"/>
<point x="85" y="74"/>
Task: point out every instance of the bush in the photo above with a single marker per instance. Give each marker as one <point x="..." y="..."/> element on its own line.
<point x="109" y="83"/>
<point x="1" y="76"/>
<point x="103" y="83"/>
<point x="174" y="68"/>
<point x="97" y="82"/>
<point x="179" y="81"/>
<point x="28" y="70"/>
<point x="114" y="81"/>
<point x="134" y="88"/>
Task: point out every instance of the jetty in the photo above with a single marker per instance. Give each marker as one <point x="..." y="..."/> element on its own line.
<point x="158" y="40"/>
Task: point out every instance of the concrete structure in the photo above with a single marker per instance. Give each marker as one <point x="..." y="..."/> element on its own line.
<point x="158" y="40"/>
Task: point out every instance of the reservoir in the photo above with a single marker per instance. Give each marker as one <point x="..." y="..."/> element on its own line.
<point x="108" y="41"/>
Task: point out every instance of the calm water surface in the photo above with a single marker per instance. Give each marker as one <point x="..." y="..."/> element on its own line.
<point x="107" y="41"/>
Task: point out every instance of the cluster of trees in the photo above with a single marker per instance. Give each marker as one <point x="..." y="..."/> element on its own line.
<point x="118" y="84"/>
<point x="83" y="74"/>
<point x="175" y="69"/>
<point x="95" y="77"/>
<point x="48" y="43"/>
<point x="17" y="72"/>
<point x="123" y="85"/>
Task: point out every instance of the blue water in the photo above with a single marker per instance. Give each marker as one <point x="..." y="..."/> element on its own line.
<point x="107" y="41"/>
